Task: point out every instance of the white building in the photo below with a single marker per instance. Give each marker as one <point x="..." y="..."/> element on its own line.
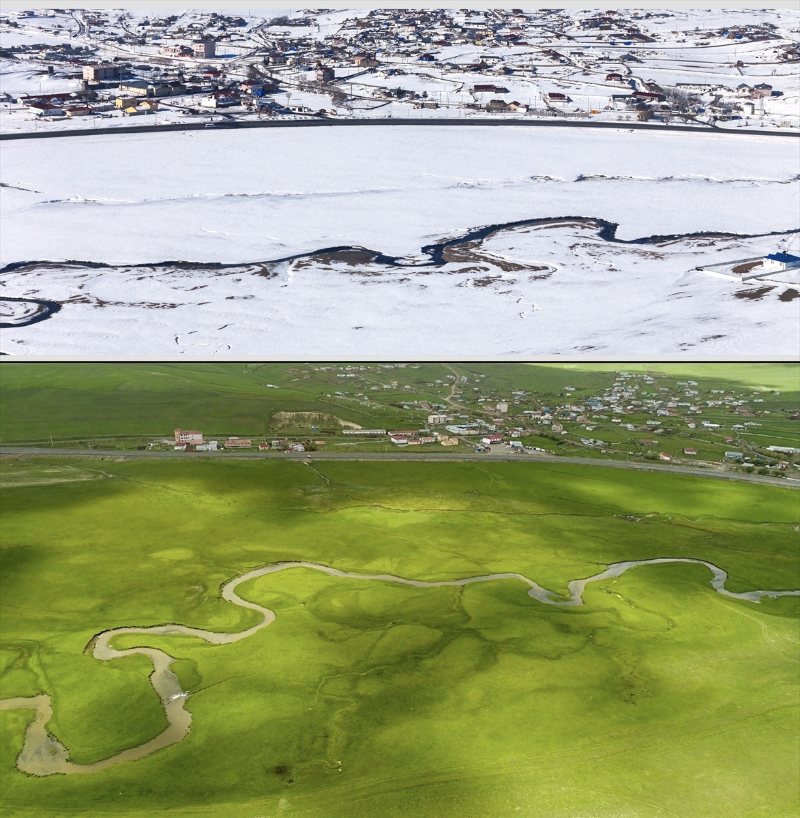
<point x="778" y="262"/>
<point x="184" y="436"/>
<point x="205" y="50"/>
<point x="502" y="407"/>
<point x="434" y="420"/>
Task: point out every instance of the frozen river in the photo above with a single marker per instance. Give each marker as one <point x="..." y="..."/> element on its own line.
<point x="251" y="198"/>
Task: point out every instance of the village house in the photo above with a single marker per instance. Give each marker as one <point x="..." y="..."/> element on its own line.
<point x="489" y="89"/>
<point x="778" y="262"/>
<point x="185" y="436"/>
<point x="205" y="50"/>
<point x="103" y="71"/>
<point x="491" y="440"/>
<point x="137" y="87"/>
<point x="221" y="99"/>
<point x="238" y="443"/>
<point x="46" y="109"/>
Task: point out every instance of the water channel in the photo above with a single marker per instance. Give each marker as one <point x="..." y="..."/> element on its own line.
<point x="42" y="754"/>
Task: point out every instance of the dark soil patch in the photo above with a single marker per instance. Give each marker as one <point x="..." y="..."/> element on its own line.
<point x="741" y="269"/>
<point x="753" y="295"/>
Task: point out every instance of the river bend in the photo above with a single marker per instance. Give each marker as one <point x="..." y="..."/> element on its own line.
<point x="42" y="754"/>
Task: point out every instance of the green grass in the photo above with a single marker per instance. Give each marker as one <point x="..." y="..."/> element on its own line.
<point x="79" y="402"/>
<point x="657" y="698"/>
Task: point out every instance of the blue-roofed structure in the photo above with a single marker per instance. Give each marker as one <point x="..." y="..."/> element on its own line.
<point x="780" y="261"/>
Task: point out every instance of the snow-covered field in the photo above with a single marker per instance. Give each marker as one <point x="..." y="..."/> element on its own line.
<point x="243" y="197"/>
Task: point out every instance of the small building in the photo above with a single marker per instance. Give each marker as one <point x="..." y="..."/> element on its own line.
<point x="690" y="451"/>
<point x="150" y="105"/>
<point x="649" y="96"/>
<point x="664" y="456"/>
<point x="211" y="446"/>
<point x="238" y="443"/>
<point x="365" y="432"/>
<point x="126" y="102"/>
<point x="778" y="262"/>
<point x="205" y="50"/>
<point x="103" y="71"/>
<point x="136" y="87"/>
<point x="436" y="420"/>
<point x="502" y="407"/>
<point x="46" y="109"/>
<point x="222" y="99"/>
<point x="734" y="455"/>
<point x="491" y="440"/>
<point x="325" y="74"/>
<point x="404" y="433"/>
<point x="185" y="436"/>
<point x="496" y="106"/>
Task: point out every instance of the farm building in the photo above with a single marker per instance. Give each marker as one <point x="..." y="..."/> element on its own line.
<point x="777" y="262"/>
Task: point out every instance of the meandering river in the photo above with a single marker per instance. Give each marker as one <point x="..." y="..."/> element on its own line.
<point x="42" y="754"/>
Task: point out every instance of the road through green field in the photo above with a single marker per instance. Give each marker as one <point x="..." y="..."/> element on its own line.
<point x="378" y="698"/>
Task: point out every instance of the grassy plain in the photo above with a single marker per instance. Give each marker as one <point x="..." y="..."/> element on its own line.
<point x="657" y="698"/>
<point x="81" y="402"/>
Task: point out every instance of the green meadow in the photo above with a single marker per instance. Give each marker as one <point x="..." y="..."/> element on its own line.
<point x="79" y="402"/>
<point x="657" y="698"/>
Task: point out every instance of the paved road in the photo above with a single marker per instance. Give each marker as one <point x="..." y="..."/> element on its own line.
<point x="429" y="457"/>
<point x="338" y="123"/>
